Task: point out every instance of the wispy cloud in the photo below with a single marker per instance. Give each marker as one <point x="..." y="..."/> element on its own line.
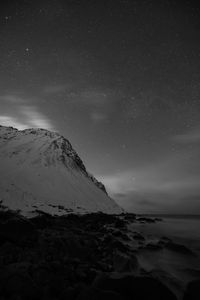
<point x="56" y="89"/>
<point x="98" y="117"/>
<point x="173" y="175"/>
<point x="82" y="95"/>
<point x="19" y="113"/>
<point x="119" y="183"/>
<point x="95" y="97"/>
<point x="192" y="136"/>
<point x="12" y="99"/>
<point x="12" y="122"/>
<point x="34" y="118"/>
<point x="159" y="185"/>
<point x="97" y="101"/>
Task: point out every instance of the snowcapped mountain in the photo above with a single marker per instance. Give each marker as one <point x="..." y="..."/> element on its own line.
<point x="40" y="171"/>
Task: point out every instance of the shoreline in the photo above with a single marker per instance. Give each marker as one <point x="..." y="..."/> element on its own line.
<point x="88" y="254"/>
<point x="172" y="216"/>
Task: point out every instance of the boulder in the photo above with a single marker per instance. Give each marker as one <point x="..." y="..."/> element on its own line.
<point x="125" y="263"/>
<point x="138" y="236"/>
<point x="192" y="291"/>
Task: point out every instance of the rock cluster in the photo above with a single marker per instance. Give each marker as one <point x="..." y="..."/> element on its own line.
<point x="72" y="257"/>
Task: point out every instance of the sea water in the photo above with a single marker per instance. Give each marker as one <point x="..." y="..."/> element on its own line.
<point x="180" y="228"/>
<point x="173" y="268"/>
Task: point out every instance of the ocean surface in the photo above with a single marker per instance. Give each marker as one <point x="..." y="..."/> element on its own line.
<point x="185" y="228"/>
<point x="173" y="268"/>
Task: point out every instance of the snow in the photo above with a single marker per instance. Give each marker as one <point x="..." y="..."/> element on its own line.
<point x="39" y="170"/>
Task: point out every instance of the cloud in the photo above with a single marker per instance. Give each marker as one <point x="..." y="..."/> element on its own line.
<point x="34" y="118"/>
<point x="192" y="136"/>
<point x="12" y="122"/>
<point x="13" y="99"/>
<point x="98" y="117"/>
<point x="95" y="97"/>
<point x="159" y="185"/>
<point x="119" y="183"/>
<point x="173" y="175"/>
<point x="56" y="89"/>
<point x="98" y="102"/>
<point x="19" y="113"/>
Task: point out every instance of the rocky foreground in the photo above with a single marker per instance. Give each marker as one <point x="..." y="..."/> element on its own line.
<point x="78" y="257"/>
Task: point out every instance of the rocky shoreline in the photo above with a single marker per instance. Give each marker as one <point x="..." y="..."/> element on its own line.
<point x="79" y="257"/>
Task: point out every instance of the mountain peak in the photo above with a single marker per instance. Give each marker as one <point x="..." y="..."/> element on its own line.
<point x="41" y="169"/>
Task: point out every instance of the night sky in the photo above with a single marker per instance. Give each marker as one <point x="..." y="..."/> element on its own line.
<point x="121" y="81"/>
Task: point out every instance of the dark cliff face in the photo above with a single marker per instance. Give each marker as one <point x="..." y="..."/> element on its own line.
<point x="98" y="183"/>
<point x="66" y="150"/>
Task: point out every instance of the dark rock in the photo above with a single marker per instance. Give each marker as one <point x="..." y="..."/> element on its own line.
<point x="179" y="248"/>
<point x="42" y="221"/>
<point x="42" y="275"/>
<point x="117" y="245"/>
<point x="138" y="288"/>
<point x="146" y="220"/>
<point x="98" y="183"/>
<point x="55" y="288"/>
<point x="16" y="281"/>
<point x="9" y="253"/>
<point x="153" y="246"/>
<point x="75" y="248"/>
<point x="165" y="239"/>
<point x="192" y="291"/>
<point x="193" y="272"/>
<point x="129" y="217"/>
<point x="120" y="223"/>
<point x="17" y="230"/>
<point x="124" y="263"/>
<point x="138" y="236"/>
<point x="92" y="293"/>
<point x="68" y="293"/>
<point x="51" y="257"/>
<point x="121" y="235"/>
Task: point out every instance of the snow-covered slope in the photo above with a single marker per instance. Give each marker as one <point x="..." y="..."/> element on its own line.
<point x="39" y="170"/>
